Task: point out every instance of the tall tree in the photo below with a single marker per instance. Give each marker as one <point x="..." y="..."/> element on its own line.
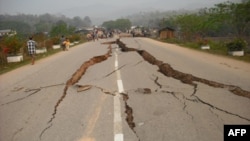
<point x="77" y="22"/>
<point x="87" y="22"/>
<point x="121" y="24"/>
<point x="61" y="28"/>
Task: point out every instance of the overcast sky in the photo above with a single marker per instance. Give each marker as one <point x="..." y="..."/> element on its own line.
<point x="98" y="8"/>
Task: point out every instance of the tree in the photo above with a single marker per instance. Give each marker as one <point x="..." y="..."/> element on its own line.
<point x="42" y="27"/>
<point x="20" y="27"/>
<point x="109" y="25"/>
<point x="121" y="24"/>
<point x="224" y="19"/>
<point x="241" y="18"/>
<point x="188" y="24"/>
<point x="59" y="29"/>
<point x="77" y="22"/>
<point x="86" y="21"/>
<point x="233" y="18"/>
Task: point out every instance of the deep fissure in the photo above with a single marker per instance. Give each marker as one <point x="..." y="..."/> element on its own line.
<point x="129" y="112"/>
<point x="185" y="78"/>
<point x="74" y="79"/>
<point x="167" y="70"/>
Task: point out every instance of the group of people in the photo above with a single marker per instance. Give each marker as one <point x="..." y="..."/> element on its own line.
<point x="95" y="35"/>
<point x="31" y="45"/>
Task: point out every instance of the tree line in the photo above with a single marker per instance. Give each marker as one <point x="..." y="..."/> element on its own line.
<point x="30" y="24"/>
<point x="226" y="19"/>
<point x="223" y="20"/>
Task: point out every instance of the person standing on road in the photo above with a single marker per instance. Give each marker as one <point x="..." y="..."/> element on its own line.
<point x="62" y="43"/>
<point x="31" y="44"/>
<point x="66" y="43"/>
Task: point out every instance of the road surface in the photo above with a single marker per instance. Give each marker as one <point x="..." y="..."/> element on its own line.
<point x="99" y="92"/>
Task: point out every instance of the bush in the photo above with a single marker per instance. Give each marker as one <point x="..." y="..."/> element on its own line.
<point x="203" y="42"/>
<point x="40" y="39"/>
<point x="55" y="40"/>
<point x="11" y="45"/>
<point x="76" y="37"/>
<point x="49" y="44"/>
<point x="236" y="45"/>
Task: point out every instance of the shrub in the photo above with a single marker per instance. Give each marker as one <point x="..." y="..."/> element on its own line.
<point x="11" y="45"/>
<point x="49" y="44"/>
<point x="202" y="42"/>
<point x="55" y="40"/>
<point x="236" y="45"/>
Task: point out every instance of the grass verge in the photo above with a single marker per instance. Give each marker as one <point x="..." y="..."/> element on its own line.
<point x="217" y="48"/>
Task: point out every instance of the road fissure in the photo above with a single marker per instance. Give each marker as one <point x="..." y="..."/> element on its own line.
<point x="73" y="80"/>
<point x="189" y="79"/>
<point x="185" y="78"/>
<point x="34" y="91"/>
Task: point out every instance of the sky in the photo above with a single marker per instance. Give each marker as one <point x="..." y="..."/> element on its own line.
<point x="99" y="8"/>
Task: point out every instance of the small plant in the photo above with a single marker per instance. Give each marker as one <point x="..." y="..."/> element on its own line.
<point x="55" y="40"/>
<point x="11" y="45"/>
<point x="48" y="44"/>
<point x="76" y="37"/>
<point x="40" y="38"/>
<point x="236" y="45"/>
<point x="203" y="42"/>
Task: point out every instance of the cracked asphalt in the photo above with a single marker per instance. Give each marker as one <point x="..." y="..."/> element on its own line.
<point x="170" y="93"/>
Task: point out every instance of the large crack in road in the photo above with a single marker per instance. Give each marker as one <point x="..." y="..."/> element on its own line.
<point x="168" y="71"/>
<point x="73" y="80"/>
<point x="164" y="68"/>
<point x="185" y="78"/>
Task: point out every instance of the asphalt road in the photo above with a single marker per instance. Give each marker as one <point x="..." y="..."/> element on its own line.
<point x="92" y="94"/>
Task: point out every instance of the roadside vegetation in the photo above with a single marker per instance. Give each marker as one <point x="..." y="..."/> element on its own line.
<point x="224" y="27"/>
<point x="16" y="45"/>
<point x="216" y="47"/>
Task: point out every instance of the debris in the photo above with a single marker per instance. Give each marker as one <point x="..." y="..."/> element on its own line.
<point x="83" y="87"/>
<point x="143" y="90"/>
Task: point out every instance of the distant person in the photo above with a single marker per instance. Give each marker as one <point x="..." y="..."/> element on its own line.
<point x="31" y="44"/>
<point x="61" y="42"/>
<point x="95" y="34"/>
<point x="66" y="43"/>
<point x="133" y="33"/>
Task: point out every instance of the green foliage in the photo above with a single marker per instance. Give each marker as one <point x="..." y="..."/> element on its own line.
<point x="121" y="24"/>
<point x="61" y="28"/>
<point x="221" y="20"/>
<point x="75" y="37"/>
<point x="20" y="27"/>
<point x="42" y="27"/>
<point x="55" y="40"/>
<point x="29" y="24"/>
<point x="11" y="45"/>
<point x="236" y="45"/>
